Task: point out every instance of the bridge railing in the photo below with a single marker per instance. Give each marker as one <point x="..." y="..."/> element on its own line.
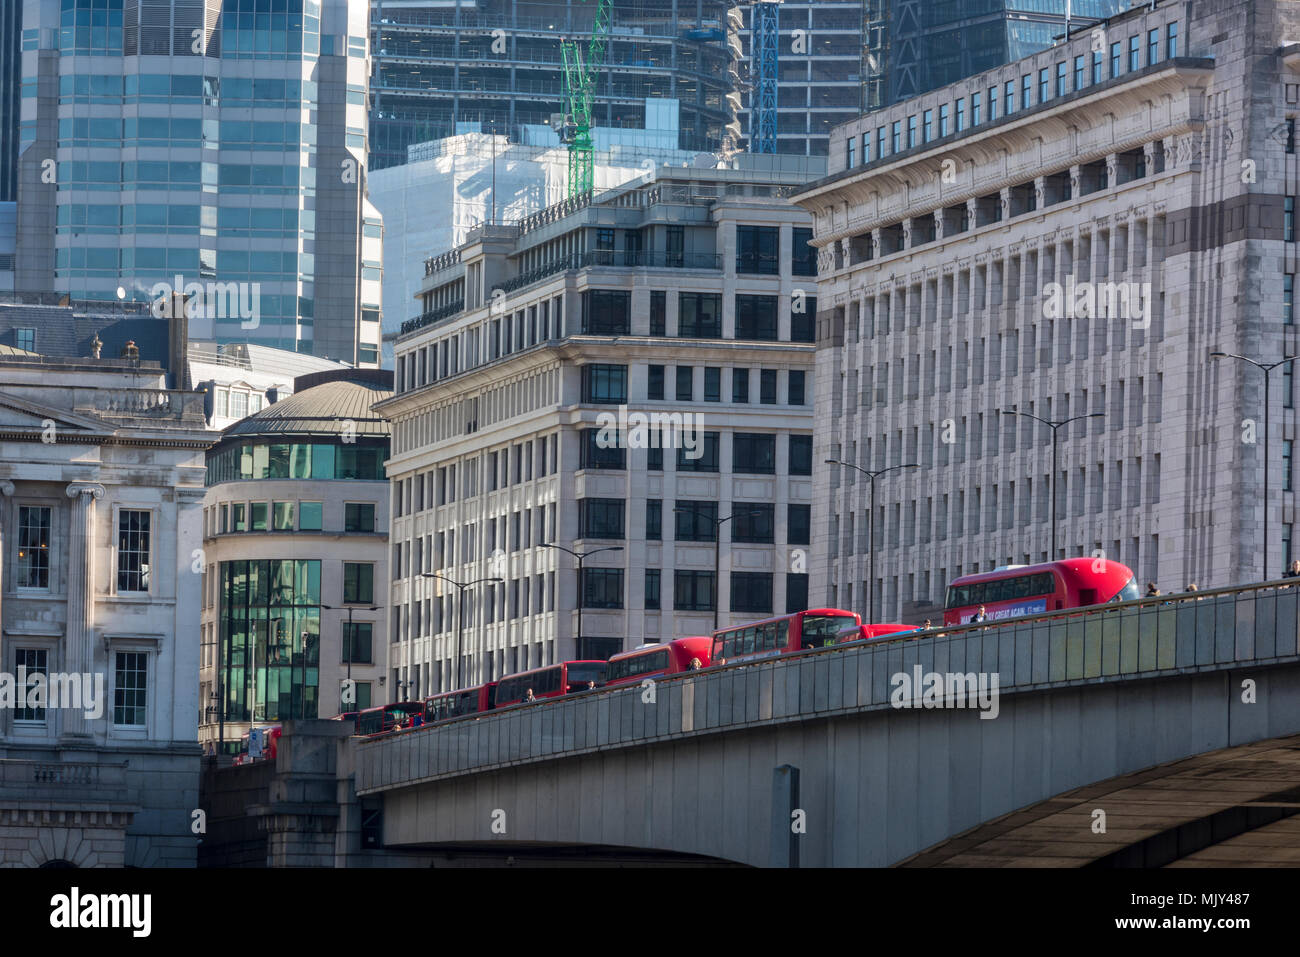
<point x="1217" y="629"/>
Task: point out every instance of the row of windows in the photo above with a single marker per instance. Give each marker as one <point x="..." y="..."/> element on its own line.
<point x="179" y="131"/>
<point x="231" y="90"/>
<point x="752" y="453"/>
<point x="607" y="384"/>
<point x="608" y="312"/>
<point x="132" y="548"/>
<point x="286" y="517"/>
<point x="932" y="124"/>
<point x="130" y="687"/>
<point x="277" y="460"/>
<point x="511" y="465"/>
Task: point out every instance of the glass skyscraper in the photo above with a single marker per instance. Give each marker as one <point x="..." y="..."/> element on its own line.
<point x="913" y="46"/>
<point x="11" y="72"/>
<point x="213" y="146"/>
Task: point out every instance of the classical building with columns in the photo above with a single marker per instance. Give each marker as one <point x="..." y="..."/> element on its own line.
<point x="101" y="492"/>
<point x="1073" y="233"/>
<point x="517" y="424"/>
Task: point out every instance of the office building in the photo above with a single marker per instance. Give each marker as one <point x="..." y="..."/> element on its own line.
<point x="1072" y="234"/>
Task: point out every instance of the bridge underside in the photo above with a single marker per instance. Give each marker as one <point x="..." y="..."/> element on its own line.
<point x="1236" y="807"/>
<point x="506" y="854"/>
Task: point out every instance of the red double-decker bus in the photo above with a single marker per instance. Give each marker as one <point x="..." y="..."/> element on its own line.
<point x="550" y="682"/>
<point x="815" y="628"/>
<point x="652" y="661"/>
<point x="454" y="704"/>
<point x="389" y="717"/>
<point x="870" y="632"/>
<point x="1018" y="590"/>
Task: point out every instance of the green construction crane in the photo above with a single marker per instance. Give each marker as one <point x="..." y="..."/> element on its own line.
<point x="579" y="84"/>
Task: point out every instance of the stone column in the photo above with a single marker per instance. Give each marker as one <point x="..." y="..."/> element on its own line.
<point x="79" y="651"/>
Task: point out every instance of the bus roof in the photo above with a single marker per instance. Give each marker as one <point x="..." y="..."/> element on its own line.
<point x="1075" y="569"/>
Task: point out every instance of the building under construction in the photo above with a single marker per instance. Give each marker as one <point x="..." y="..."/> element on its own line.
<point x="495" y="66"/>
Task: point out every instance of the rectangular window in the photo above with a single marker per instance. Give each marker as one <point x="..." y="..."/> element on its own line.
<point x="1290" y="134"/>
<point x="1287" y="445"/>
<point x="310" y="516"/>
<point x="911" y="131"/>
<point x="357" y="638"/>
<point x="1116" y="59"/>
<point x="654" y="519"/>
<point x="358" y="583"/>
<point x="943" y="119"/>
<point x="1078" y="72"/>
<point x="602" y="588"/>
<point x="25" y="339"/>
<point x="1288" y="219"/>
<point x="1026" y="91"/>
<point x="757" y="248"/>
<point x="1134" y="53"/>
<point x="601" y="518"/>
<point x="34" y="661"/>
<point x="895" y="136"/>
<point x="803" y="312"/>
<point x="751" y="592"/>
<point x="606" y="312"/>
<point x="1171" y="41"/>
<point x="993" y="103"/>
<point x="795" y="391"/>
<point x="658" y="312"/>
<point x="798" y="525"/>
<point x="754" y="523"/>
<point x="1044" y="93"/>
<point x="866" y="148"/>
<point x="358" y="517"/>
<point x="33" y="565"/>
<point x="604" y="384"/>
<point x="257" y="513"/>
<point x="133" y="550"/>
<point x="598" y="453"/>
<point x="767" y="386"/>
<point x="927" y="126"/>
<point x="1288" y="298"/>
<point x="1288" y="386"/>
<point x="756" y="318"/>
<point x="652" y="588"/>
<point x="130" y="688"/>
<point x="703" y="458"/>
<point x="699" y="315"/>
<point x="685" y="384"/>
<point x="961" y="114"/>
<point x="692" y="591"/>
<point x="1153" y="47"/>
<point x="803" y="254"/>
<point x="796" y="593"/>
<point x="712" y="384"/>
<point x="1060" y="78"/>
<point x="739" y="385"/>
<point x="655" y="382"/>
<point x="849" y="145"/>
<point x="695" y="521"/>
<point x="880" y="142"/>
<point x="801" y="454"/>
<point x="753" y="453"/>
<point x="1010" y="97"/>
<point x="282" y="516"/>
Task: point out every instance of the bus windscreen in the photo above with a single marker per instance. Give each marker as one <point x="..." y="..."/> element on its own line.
<point x="818" y="631"/>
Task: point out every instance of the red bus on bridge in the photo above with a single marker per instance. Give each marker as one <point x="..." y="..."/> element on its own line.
<point x="815" y="628"/>
<point x="552" y="681"/>
<point x="871" y="632"/>
<point x="389" y="717"/>
<point x="454" y="704"/>
<point x="1016" y="590"/>
<point x="651" y="661"/>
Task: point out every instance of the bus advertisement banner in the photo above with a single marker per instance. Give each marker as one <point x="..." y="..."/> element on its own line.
<point x="1009" y="611"/>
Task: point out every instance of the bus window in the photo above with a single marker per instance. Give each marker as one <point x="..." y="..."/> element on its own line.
<point x="749" y="639"/>
<point x="782" y="633"/>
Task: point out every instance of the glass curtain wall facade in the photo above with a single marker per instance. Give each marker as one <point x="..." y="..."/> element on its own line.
<point x="270" y="639"/>
<point x="193" y="144"/>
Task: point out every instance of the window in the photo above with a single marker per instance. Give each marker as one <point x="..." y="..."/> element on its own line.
<point x="795" y="391"/>
<point x="739" y="385"/>
<point x="1287" y="446"/>
<point x="756" y="318"/>
<point x="606" y="312"/>
<point x="604" y="384"/>
<point x="703" y="458"/>
<point x="25" y="339"/>
<point x="751" y="592"/>
<point x="658" y="312"/>
<point x="1288" y="387"/>
<point x="358" y="583"/>
<point x="130" y="687"/>
<point x="866" y="148"/>
<point x="1171" y="41"/>
<point x="1134" y="53"/>
<point x="699" y="315"/>
<point x="803" y="254"/>
<point x="1044" y="93"/>
<point x="1290" y="134"/>
<point x="655" y="383"/>
<point x="754" y="523"/>
<point x="676" y="245"/>
<point x="1060" y="78"/>
<point x="1116" y="59"/>
<point x="133" y="550"/>
<point x="798" y="525"/>
<point x="602" y="453"/>
<point x="357" y="638"/>
<point x="802" y="314"/>
<point x="652" y="588"/>
<point x="310" y="516"/>
<point x="1010" y="97"/>
<point x="34" y="661"/>
<point x="801" y="455"/>
<point x="880" y="142"/>
<point x="600" y="518"/>
<point x="1288" y="298"/>
<point x="282" y="516"/>
<point x="993" y="103"/>
<point x="654" y="519"/>
<point x="712" y="384"/>
<point x="943" y="119"/>
<point x="358" y="517"/>
<point x="1288" y="219"/>
<point x="927" y="126"/>
<point x="756" y="249"/>
<point x="911" y="131"/>
<point x="33" y="566"/>
<point x="685" y="383"/>
<point x="1026" y="91"/>
<point x="849" y="145"/>
<point x="974" y="109"/>
<point x="1096" y="67"/>
<point x="753" y="453"/>
<point x="602" y="588"/>
<point x="895" y="136"/>
<point x="767" y="386"/>
<point x="1078" y="72"/>
<point x="1153" y="47"/>
<point x="796" y="593"/>
<point x="695" y="521"/>
<point x="692" y="591"/>
<point x="961" y="114"/>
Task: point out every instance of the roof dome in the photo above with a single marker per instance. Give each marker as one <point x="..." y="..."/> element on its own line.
<point x="338" y="403"/>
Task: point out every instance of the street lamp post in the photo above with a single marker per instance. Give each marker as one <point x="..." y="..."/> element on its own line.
<point x="1266" y="369"/>
<point x="460" y="611"/>
<point x="581" y="556"/>
<point x="350" y="638"/>
<point x="717" y="547"/>
<point x="871" y="525"/>
<point x="1054" y="426"/>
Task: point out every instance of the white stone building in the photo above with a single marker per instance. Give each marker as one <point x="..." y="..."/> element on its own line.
<point x="101" y="488"/>
<point x="1157" y="149"/>
<point x="685" y="296"/>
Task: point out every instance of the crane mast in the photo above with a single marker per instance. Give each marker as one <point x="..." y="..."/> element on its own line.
<point x="579" y="87"/>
